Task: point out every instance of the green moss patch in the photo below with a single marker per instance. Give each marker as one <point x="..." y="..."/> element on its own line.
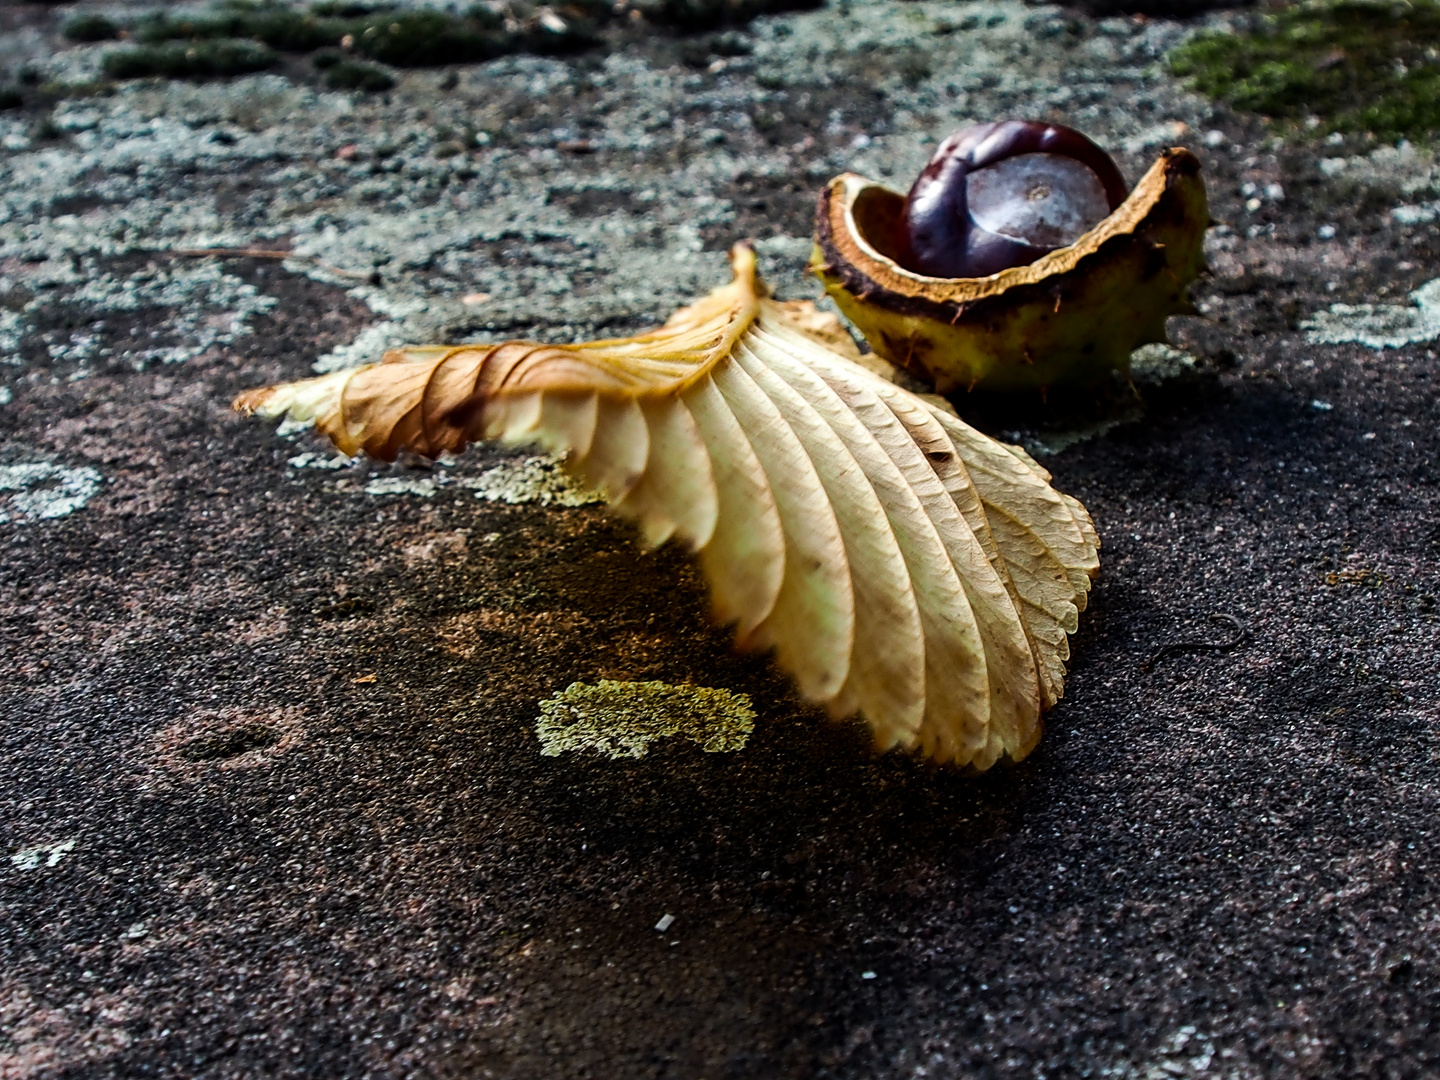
<point x="89" y="26"/>
<point x="1356" y="67"/>
<point x="279" y="27"/>
<point x="698" y="15"/>
<point x="189" y="60"/>
<point x="399" y="37"/>
<point x="354" y="75"/>
<point x="413" y="38"/>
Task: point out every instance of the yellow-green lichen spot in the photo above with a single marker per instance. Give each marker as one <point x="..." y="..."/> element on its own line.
<point x="621" y="719"/>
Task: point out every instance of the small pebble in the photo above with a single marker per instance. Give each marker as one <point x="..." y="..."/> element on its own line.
<point x="666" y="921"/>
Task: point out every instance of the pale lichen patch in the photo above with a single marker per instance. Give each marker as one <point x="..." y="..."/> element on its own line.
<point x="401" y="485"/>
<point x="1158" y="363"/>
<point x="32" y="858"/>
<point x="12" y="330"/>
<point x="621" y="719"/>
<point x="42" y="490"/>
<point x="1379" y="326"/>
<point x="534" y="480"/>
<point x="188" y="309"/>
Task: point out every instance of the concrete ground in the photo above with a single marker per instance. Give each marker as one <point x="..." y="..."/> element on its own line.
<point x="274" y="802"/>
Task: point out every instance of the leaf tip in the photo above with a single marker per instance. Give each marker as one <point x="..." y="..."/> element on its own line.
<point x="252" y="401"/>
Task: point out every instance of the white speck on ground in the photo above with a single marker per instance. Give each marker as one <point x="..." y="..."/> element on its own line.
<point x="666" y="921"/>
<point x="1379" y="326"/>
<point x="43" y="490"/>
<point x="621" y="719"/>
<point x="6" y="396"/>
<point x="32" y="858"/>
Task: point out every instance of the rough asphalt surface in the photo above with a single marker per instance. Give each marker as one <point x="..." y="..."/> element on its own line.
<point x="273" y="802"/>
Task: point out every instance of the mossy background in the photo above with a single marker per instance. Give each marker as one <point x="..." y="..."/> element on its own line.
<point x="1355" y="67"/>
<point x="241" y="36"/>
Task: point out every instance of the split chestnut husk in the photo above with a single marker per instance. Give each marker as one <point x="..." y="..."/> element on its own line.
<point x="1071" y="316"/>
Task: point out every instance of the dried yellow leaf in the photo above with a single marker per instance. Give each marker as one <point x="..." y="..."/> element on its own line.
<point x="901" y="564"/>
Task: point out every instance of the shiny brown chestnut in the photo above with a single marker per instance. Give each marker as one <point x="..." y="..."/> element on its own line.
<point x="1070" y="316"/>
<point x="1004" y="194"/>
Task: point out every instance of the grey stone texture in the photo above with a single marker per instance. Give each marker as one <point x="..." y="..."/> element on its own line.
<point x="273" y="799"/>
